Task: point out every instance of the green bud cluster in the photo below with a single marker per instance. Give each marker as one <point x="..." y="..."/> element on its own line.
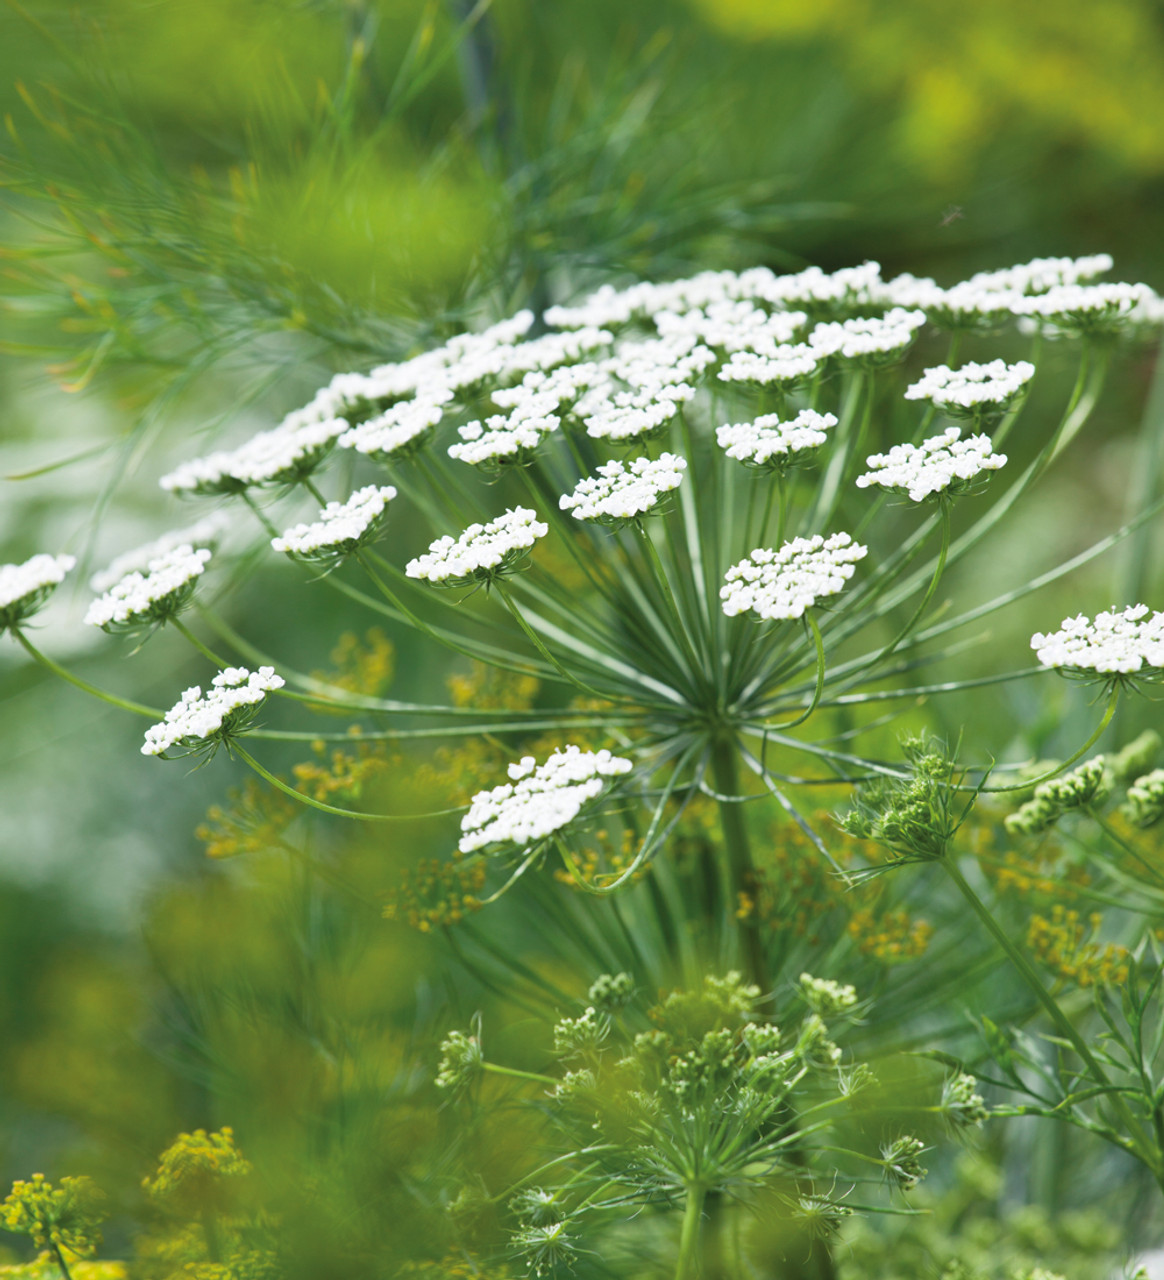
<point x="1145" y="801"/>
<point x="1089" y="784"/>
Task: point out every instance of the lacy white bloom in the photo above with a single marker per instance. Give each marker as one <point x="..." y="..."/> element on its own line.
<point x="974" y="390"/>
<point x="783" y="366"/>
<point x="482" y="552"/>
<point x="732" y="325"/>
<point x="206" y="532"/>
<point x="1114" y="644"/>
<point x="970" y="306"/>
<point x="228" y="706"/>
<point x="819" y="291"/>
<point x="768" y="442"/>
<point x="141" y="600"/>
<point x="624" y="490"/>
<point x="507" y="438"/>
<point x="342" y="527"/>
<point x="782" y="584"/>
<point x="651" y="363"/>
<point x="1041" y="274"/>
<point x="25" y="587"/>
<point x="399" y="431"/>
<point x="561" y="387"/>
<point x="630" y="415"/>
<point x="554" y="349"/>
<point x="1085" y="308"/>
<point x="871" y="341"/>
<point x="940" y="464"/>
<point x="282" y="456"/>
<point x="540" y="800"/>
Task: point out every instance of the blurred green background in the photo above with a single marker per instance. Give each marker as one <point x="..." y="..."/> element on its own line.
<point x="211" y="207"/>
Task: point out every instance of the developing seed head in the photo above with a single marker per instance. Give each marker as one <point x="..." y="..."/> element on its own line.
<point x="150" y="599"/>
<point x="623" y="491"/>
<point x="961" y="1105"/>
<point x="826" y="997"/>
<point x="610" y="992"/>
<point x="540" y="801"/>
<point x="461" y="1061"/>
<point x="482" y="553"/>
<point x="773" y="445"/>
<point x="1087" y="785"/>
<point x="782" y="584"/>
<point x="902" y="1161"/>
<point x="546" y="1248"/>
<point x="24" y="588"/>
<point x="539" y="1207"/>
<point x="341" y="530"/>
<point x="1144" y="806"/>
<point x="1125" y="643"/>
<point x="200" y="722"/>
<point x="579" y="1037"/>
<point x="943" y="465"/>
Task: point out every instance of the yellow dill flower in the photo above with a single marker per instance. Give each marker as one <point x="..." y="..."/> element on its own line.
<point x="1068" y="945"/>
<point x="191" y="1171"/>
<point x="362" y="666"/>
<point x="64" y="1217"/>
<point x="253" y="819"/>
<point x="436" y="894"/>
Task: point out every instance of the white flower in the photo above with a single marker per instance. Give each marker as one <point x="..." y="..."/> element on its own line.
<point x="1114" y="644"/>
<point x="624" y="490"/>
<point x="974" y="390"/>
<point x="482" y="552"/>
<point x="652" y="363"/>
<point x="971" y="306"/>
<point x="229" y="704"/>
<point x="507" y="438"/>
<point x="540" y="800"/>
<point x="1041" y="274"/>
<point x="826" y="997"/>
<point x="782" y="584"/>
<point x="399" y="431"/>
<point x="840" y="291"/>
<point x="630" y="415"/>
<point x="780" y="366"/>
<point x="284" y="455"/>
<point x="140" y="600"/>
<point x="941" y="463"/>
<point x="732" y="325"/>
<point x="871" y="341"/>
<point x="554" y="349"/>
<point x="769" y="442"/>
<point x="25" y="587"/>
<point x="1085" y="308"/>
<point x="203" y="533"/>
<point x="342" y="527"/>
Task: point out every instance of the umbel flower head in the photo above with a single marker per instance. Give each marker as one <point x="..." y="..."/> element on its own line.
<point x="194" y="1173"/>
<point x="63" y="1217"/>
<point x="1116" y="644"/>
<point x="782" y="584"/>
<point x="202" y="721"/>
<point x="482" y="553"/>
<point x="773" y="445"/>
<point x="980" y="392"/>
<point x="342" y="528"/>
<point x="941" y="465"/>
<point x="622" y="491"/>
<point x="540" y="801"/>
<point x="153" y="598"/>
<point x="24" y="588"/>
<point x="1086" y="785"/>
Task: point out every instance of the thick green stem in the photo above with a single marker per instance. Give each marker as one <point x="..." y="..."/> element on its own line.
<point x="691" y="1233"/>
<point x="1136" y="1142"/>
<point x="725" y="771"/>
<point x="62" y="1265"/>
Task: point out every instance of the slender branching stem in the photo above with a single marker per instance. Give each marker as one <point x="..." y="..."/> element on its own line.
<point x="114" y="701"/>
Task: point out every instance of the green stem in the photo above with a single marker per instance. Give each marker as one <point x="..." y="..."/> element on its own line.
<point x="939" y="569"/>
<point x="657" y="572"/>
<point x="1063" y="1024"/>
<point x="810" y="625"/>
<point x="519" y="1075"/>
<point x="1054" y="773"/>
<point x="539" y="645"/>
<point x="689" y="1236"/>
<point x="184" y="630"/>
<point x="725" y="772"/>
<point x="260" y="514"/>
<point x="114" y="701"/>
<point x="61" y="1263"/>
<point x="330" y="808"/>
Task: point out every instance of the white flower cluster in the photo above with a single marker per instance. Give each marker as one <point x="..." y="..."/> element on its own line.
<point x="1041" y="274"/>
<point x="507" y="438"/>
<point x="1145" y="800"/>
<point x="203" y="533"/>
<point x="871" y="341"/>
<point x="539" y="800"/>
<point x="25" y="587"/>
<point x="732" y="325"/>
<point x="139" y="600"/>
<point x="1085" y="308"/>
<point x="826" y="997"/>
<point x="400" y="430"/>
<point x="631" y="415"/>
<point x="782" y="584"/>
<point x="768" y="442"/>
<point x="483" y="551"/>
<point x="342" y="527"/>
<point x="1114" y="644"/>
<point x="974" y="387"/>
<point x="624" y="490"/>
<point x="781" y="367"/>
<point x="281" y="456"/>
<point x="227" y="706"/>
<point x="940" y="464"/>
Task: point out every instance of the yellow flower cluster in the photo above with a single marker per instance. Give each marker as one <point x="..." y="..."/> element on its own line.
<point x="191" y="1170"/>
<point x="62" y="1217"/>
<point x="45" y="1268"/>
<point x="253" y="820"/>
<point x="1067" y="945"/>
<point x="890" y="936"/>
<point x="341" y="773"/>
<point x="437" y="893"/>
<point x="603" y="861"/>
<point x="361" y="666"/>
